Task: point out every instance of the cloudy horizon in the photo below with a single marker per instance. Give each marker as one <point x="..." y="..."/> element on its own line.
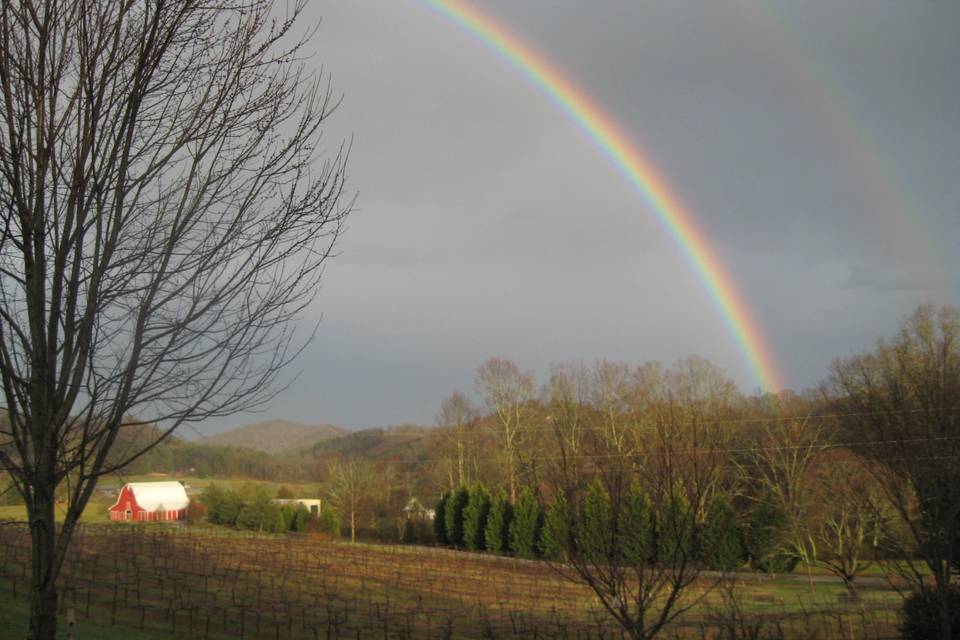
<point x="816" y="146"/>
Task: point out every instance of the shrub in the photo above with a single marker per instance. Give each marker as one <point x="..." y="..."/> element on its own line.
<point x="922" y="614"/>
<point x="409" y="535"/>
<point x="721" y="546"/>
<point x="289" y="515"/>
<point x="227" y="509"/>
<point x="423" y="531"/>
<point x="211" y="498"/>
<point x="475" y="517"/>
<point x="387" y="529"/>
<point x="497" y="534"/>
<point x="764" y="539"/>
<point x="261" y="514"/>
<point x="196" y="512"/>
<point x="301" y="519"/>
<point x="329" y="521"/>
<point x="526" y="526"/>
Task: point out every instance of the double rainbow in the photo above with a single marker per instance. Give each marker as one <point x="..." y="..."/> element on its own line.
<point x="639" y="172"/>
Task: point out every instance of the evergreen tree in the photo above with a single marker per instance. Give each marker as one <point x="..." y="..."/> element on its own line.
<point x="260" y="513"/>
<point x="596" y="530"/>
<point x="475" y="517"/>
<point x="289" y="515"/>
<point x="766" y="527"/>
<point x="454" y="516"/>
<point x="227" y="510"/>
<point x="497" y="534"/>
<point x="526" y="526"/>
<point x="636" y="528"/>
<point x="279" y="524"/>
<point x="301" y="518"/>
<point x="211" y="498"/>
<point x="721" y="546"/>
<point x="329" y="520"/>
<point x="558" y="525"/>
<point x="675" y="530"/>
<point x="440" y="520"/>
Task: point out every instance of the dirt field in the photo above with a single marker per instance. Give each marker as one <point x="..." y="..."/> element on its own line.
<point x="219" y="584"/>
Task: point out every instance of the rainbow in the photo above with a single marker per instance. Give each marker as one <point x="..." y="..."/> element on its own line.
<point x="894" y="206"/>
<point x="638" y="170"/>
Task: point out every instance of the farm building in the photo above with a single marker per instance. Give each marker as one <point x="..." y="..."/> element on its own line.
<point x="313" y="505"/>
<point x="416" y="511"/>
<point x="150" y="501"/>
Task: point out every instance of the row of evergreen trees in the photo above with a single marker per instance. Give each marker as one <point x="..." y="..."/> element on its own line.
<point x="474" y="518"/>
<point x="640" y="532"/>
<point x="635" y="531"/>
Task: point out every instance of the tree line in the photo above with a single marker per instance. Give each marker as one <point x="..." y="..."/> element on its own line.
<point x="474" y="519"/>
<point x="862" y="468"/>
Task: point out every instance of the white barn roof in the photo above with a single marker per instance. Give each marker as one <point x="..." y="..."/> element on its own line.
<point x="150" y="495"/>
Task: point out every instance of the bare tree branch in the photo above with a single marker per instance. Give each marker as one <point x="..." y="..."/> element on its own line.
<point x="165" y="210"/>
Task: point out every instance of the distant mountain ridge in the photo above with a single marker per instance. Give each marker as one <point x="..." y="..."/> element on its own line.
<point x="274" y="436"/>
<point x="407" y="441"/>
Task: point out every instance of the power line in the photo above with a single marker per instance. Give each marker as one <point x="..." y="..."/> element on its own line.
<point x="633" y="456"/>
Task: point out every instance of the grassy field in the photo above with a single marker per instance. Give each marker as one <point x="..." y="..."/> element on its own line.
<point x="300" y="490"/>
<point x="147" y="582"/>
<point x="14" y="621"/>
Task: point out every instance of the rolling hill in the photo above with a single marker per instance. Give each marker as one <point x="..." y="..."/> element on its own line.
<point x="274" y="436"/>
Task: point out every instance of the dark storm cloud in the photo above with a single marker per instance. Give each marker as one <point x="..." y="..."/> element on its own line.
<point x="816" y="144"/>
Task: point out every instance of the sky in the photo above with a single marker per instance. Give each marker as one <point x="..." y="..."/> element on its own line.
<point x="815" y="144"/>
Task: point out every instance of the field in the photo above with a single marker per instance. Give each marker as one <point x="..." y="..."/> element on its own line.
<point x="157" y="581"/>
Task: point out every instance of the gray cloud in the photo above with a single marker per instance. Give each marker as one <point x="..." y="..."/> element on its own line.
<point x="816" y="145"/>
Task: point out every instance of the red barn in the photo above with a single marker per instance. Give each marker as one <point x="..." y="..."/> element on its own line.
<point x="149" y="501"/>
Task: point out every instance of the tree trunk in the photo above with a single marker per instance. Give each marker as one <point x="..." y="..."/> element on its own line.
<point x="353" y="526"/>
<point x="942" y="586"/>
<point x="43" y="590"/>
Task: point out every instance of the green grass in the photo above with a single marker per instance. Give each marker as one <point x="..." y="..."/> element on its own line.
<point x="15" y="620"/>
<point x="299" y="489"/>
<point x="96" y="512"/>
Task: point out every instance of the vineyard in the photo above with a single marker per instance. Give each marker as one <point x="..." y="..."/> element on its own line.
<point x="215" y="585"/>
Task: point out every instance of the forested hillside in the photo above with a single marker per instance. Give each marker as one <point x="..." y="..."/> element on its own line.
<point x="274" y="436"/>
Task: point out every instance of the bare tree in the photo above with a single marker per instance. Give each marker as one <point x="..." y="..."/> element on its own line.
<point x="851" y="519"/>
<point x="456" y="413"/>
<point x="634" y="544"/>
<point x="565" y="398"/>
<point x="780" y="465"/>
<point x="506" y="391"/>
<point x="899" y="406"/>
<point x="165" y="212"/>
<point x="352" y="487"/>
<point x="611" y="391"/>
<point x="633" y="540"/>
